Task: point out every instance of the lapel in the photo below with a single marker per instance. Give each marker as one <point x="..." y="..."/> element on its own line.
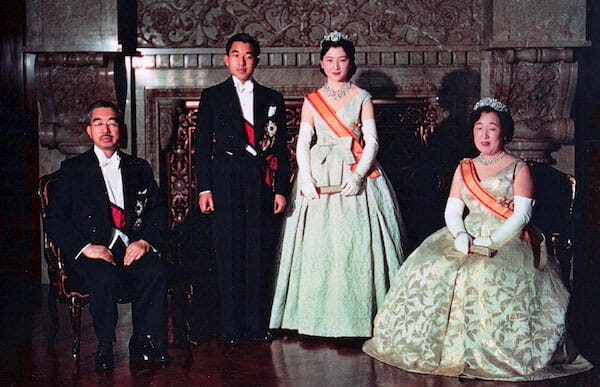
<point x="91" y="177"/>
<point x="129" y="194"/>
<point x="259" y="113"/>
<point x="233" y="108"/>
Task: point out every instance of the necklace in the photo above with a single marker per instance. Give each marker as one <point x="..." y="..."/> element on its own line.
<point x="490" y="161"/>
<point x="336" y="94"/>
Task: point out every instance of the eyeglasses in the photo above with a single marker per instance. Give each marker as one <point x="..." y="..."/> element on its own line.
<point x="111" y="123"/>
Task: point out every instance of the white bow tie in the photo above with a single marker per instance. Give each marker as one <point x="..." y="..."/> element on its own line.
<point x="247" y="87"/>
<point x="114" y="160"/>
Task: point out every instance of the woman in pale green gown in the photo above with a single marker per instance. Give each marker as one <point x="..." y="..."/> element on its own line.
<point x="341" y="242"/>
<point x="481" y="297"/>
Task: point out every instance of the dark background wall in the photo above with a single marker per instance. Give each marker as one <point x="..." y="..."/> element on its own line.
<point x="585" y="310"/>
<point x="19" y="212"/>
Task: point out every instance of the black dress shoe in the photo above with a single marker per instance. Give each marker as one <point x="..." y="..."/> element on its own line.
<point x="105" y="359"/>
<point x="263" y="336"/>
<point x="146" y="349"/>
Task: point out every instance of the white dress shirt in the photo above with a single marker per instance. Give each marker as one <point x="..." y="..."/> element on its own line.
<point x="111" y="171"/>
<point x="245" y="94"/>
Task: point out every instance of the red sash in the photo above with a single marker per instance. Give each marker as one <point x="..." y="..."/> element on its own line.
<point x="118" y="216"/>
<point x="249" y="130"/>
<point x="328" y="115"/>
<point x="271" y="159"/>
<point x="467" y="170"/>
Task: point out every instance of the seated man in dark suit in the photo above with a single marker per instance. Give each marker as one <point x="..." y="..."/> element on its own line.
<point x="108" y="219"/>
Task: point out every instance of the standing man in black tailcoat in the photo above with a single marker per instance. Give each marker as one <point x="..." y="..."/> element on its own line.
<point x="106" y="215"/>
<point x="242" y="170"/>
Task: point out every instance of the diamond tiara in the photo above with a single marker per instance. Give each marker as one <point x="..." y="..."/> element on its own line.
<point x="334" y="36"/>
<point x="491" y="102"/>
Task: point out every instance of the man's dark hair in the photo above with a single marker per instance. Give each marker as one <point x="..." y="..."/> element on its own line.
<point x="244" y="38"/>
<point x="102" y="104"/>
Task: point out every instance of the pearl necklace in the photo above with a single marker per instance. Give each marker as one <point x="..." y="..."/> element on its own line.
<point x="490" y="161"/>
<point x="336" y="94"/>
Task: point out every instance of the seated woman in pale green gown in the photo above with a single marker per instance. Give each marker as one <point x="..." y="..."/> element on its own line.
<point x="341" y="242"/>
<point x="481" y="297"/>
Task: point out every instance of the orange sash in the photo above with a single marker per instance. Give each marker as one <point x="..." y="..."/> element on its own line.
<point x="337" y="126"/>
<point x="467" y="170"/>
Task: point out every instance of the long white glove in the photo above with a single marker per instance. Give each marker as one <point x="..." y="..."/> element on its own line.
<point x="306" y="183"/>
<point x="454" y="220"/>
<point x="511" y="226"/>
<point x="353" y="183"/>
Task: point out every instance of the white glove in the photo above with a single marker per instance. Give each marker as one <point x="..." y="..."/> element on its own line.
<point x="367" y="159"/>
<point x="511" y="226"/>
<point x="353" y="183"/>
<point x="307" y="187"/>
<point x="453" y="216"/>
<point x="351" y="186"/>
<point x="306" y="182"/>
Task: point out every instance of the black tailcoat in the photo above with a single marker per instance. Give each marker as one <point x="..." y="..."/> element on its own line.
<point x="244" y="227"/>
<point x="78" y="214"/>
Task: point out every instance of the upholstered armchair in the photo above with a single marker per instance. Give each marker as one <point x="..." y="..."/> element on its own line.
<point x="67" y="288"/>
<point x="64" y="288"/>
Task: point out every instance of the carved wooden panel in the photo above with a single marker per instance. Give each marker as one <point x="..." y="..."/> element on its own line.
<point x="66" y="84"/>
<point x="302" y="23"/>
<point x="539" y="86"/>
<point x="181" y="191"/>
<point x="410" y="133"/>
<point x="62" y="25"/>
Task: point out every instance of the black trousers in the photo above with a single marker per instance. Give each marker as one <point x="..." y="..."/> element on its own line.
<point x="244" y="234"/>
<point x="144" y="282"/>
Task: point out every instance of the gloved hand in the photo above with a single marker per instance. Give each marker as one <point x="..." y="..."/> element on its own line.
<point x="307" y="187"/>
<point x="511" y="226"/>
<point x="462" y="242"/>
<point x="453" y="216"/>
<point x="352" y="185"/>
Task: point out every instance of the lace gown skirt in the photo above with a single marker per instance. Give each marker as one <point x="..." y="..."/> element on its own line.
<point x="338" y="254"/>
<point x="500" y="318"/>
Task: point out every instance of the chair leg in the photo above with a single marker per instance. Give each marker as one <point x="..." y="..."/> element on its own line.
<point x="75" y="309"/>
<point x="189" y="293"/>
<point x="53" y="314"/>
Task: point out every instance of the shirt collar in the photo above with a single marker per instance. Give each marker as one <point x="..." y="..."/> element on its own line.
<point x="105" y="161"/>
<point x="246" y="87"/>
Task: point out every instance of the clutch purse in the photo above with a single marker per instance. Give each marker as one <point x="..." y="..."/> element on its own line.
<point x="482" y="250"/>
<point x="329" y="189"/>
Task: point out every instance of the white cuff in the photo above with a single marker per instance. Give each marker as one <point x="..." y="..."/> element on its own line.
<point x="81" y="251"/>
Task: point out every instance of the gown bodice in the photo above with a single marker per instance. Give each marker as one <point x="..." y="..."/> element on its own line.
<point x="480" y="221"/>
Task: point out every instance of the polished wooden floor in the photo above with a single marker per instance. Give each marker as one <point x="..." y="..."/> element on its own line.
<point x="290" y="360"/>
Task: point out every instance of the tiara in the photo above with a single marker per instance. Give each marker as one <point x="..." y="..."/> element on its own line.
<point x="334" y="36"/>
<point x="491" y="102"/>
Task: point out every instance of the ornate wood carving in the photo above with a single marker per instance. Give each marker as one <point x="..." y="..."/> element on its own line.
<point x="539" y="86"/>
<point x="66" y="84"/>
<point x="302" y="23"/>
<point x="181" y="191"/>
<point x="408" y="131"/>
